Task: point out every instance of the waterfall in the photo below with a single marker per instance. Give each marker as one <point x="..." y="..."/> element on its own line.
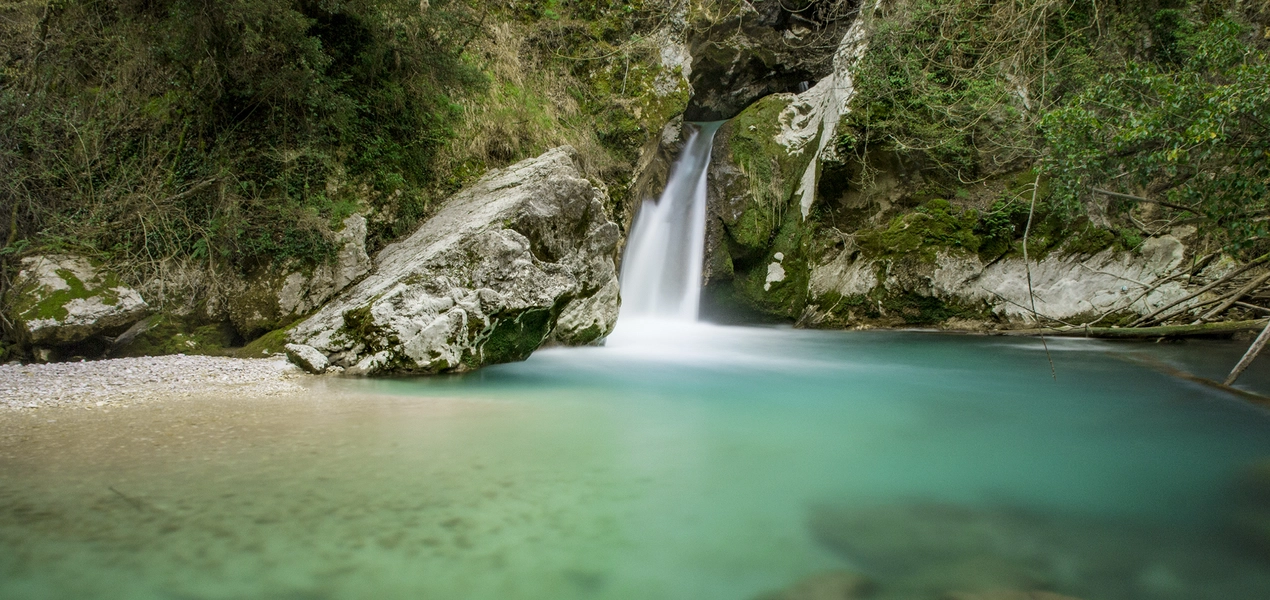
<point x="661" y="270"/>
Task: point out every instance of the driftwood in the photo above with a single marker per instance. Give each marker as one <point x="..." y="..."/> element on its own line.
<point x="1250" y="355"/>
<point x="1260" y="309"/>
<point x="1153" y="316"/>
<point x="1233" y="298"/>
<point x="1140" y="333"/>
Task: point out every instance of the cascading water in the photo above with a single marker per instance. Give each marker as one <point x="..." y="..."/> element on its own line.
<point x="661" y="270"/>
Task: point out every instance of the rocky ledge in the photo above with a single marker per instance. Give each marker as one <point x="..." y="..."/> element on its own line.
<point x="523" y="257"/>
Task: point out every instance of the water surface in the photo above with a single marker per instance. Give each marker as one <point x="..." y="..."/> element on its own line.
<point x="723" y="464"/>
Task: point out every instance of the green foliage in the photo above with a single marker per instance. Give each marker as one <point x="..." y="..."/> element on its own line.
<point x="949" y="85"/>
<point x="235" y="132"/>
<point x="1192" y="128"/>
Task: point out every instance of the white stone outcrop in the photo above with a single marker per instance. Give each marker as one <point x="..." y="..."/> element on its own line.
<point x="62" y="299"/>
<point x="1064" y="286"/>
<point x="525" y="253"/>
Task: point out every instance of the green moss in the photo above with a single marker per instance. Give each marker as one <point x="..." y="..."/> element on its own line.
<point x="916" y="309"/>
<point x="359" y="327"/>
<point x="171" y="334"/>
<point x="267" y="344"/>
<point x="933" y="226"/>
<point x="787" y="297"/>
<point x="1089" y="240"/>
<point x="771" y="173"/>
<point x="36" y="303"/>
<point x="588" y="335"/>
<point x="515" y="338"/>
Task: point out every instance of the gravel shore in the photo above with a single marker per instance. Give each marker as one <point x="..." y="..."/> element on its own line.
<point x="131" y="380"/>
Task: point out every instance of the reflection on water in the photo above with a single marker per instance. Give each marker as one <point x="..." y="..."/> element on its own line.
<point x="729" y="463"/>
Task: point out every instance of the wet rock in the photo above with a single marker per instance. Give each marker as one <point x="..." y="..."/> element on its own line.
<point x="486" y="280"/>
<point x="279" y="294"/>
<point x="763" y="179"/>
<point x="1007" y="595"/>
<point x="62" y="299"/>
<point x="930" y="549"/>
<point x="1066" y="286"/>
<point x="587" y="320"/>
<point x="307" y="358"/>
<point x="1250" y="518"/>
<point x="760" y="48"/>
<point x="830" y="585"/>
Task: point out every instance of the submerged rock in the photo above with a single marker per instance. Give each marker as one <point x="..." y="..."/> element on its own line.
<point x="1007" y="595"/>
<point x="1009" y="553"/>
<point x="63" y="300"/>
<point x="829" y="585"/>
<point x="525" y="253"/>
<point x="1250" y="519"/>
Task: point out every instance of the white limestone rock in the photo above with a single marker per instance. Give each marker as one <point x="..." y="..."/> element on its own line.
<point x="63" y="299"/>
<point x="1065" y="286"/>
<point x="307" y="358"/>
<point x="486" y="280"/>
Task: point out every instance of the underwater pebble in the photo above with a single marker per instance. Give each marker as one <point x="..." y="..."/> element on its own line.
<point x="104" y="382"/>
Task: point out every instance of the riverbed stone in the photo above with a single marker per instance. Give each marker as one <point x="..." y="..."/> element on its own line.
<point x="1250" y="517"/>
<point x="307" y="358"/>
<point x="828" y="585"/>
<point x="1007" y="595"/>
<point x="66" y="299"/>
<point x="486" y="280"/>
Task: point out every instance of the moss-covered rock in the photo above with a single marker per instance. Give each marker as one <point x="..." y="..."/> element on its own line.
<point x="933" y="226"/>
<point x="164" y="334"/>
<point x="61" y="300"/>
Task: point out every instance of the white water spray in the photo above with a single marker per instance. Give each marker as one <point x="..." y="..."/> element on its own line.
<point x="661" y="270"/>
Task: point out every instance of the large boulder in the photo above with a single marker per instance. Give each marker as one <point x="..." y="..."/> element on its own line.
<point x="525" y="254"/>
<point x="62" y="300"/>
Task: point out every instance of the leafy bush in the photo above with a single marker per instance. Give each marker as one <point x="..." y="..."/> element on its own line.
<point x="1192" y="131"/>
<point x="235" y="131"/>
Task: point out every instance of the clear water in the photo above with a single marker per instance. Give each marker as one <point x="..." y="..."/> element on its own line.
<point x="728" y="463"/>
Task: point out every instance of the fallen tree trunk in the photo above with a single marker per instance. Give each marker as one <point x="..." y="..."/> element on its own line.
<point x="1141" y="333"/>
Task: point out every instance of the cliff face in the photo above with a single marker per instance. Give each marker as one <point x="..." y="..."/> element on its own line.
<point x="905" y="187"/>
